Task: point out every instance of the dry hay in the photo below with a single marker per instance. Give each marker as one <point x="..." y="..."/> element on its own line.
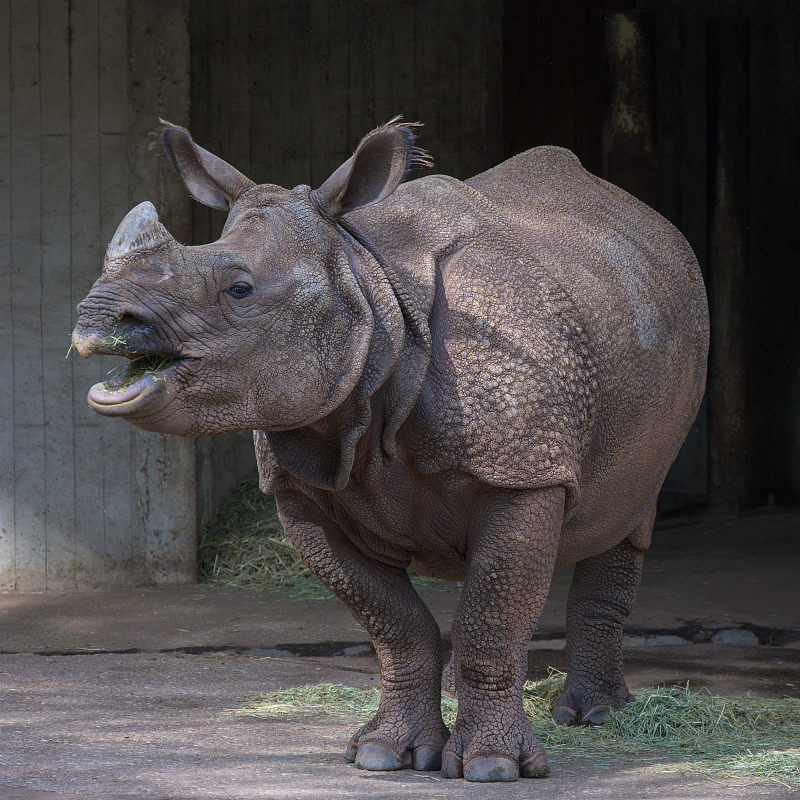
<point x="669" y="727"/>
<point x="244" y="546"/>
<point x="124" y="375"/>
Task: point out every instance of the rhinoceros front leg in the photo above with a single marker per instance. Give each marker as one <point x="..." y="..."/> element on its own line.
<point x="512" y="553"/>
<point x="603" y="591"/>
<point x="408" y="729"/>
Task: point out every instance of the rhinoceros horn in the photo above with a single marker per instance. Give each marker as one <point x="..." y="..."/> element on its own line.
<point x="139" y="231"/>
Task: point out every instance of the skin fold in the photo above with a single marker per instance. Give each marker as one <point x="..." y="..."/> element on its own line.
<point x="483" y="381"/>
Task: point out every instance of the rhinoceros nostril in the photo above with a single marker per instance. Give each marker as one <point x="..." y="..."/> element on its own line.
<point x="131" y="320"/>
<point x="135" y="323"/>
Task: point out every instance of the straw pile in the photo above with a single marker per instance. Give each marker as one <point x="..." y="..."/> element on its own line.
<point x="244" y="546"/>
<point x="671" y="727"/>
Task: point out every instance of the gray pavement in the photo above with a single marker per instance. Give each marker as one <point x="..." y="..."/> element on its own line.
<point x="124" y="693"/>
<point x="155" y="726"/>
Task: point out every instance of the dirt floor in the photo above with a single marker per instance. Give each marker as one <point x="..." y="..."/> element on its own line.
<point x="124" y="693"/>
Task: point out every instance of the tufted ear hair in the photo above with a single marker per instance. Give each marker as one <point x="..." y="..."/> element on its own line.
<point x="208" y="179"/>
<point x="374" y="171"/>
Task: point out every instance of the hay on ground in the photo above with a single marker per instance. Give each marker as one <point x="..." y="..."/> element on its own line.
<point x="244" y="546"/>
<point x="747" y="736"/>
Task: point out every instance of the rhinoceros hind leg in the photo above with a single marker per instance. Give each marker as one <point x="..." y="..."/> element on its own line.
<point x="564" y="715"/>
<point x="603" y="591"/>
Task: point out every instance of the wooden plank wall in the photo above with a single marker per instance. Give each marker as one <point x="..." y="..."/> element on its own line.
<point x="774" y="397"/>
<point x="285" y="89"/>
<point x="84" y="501"/>
<point x="26" y="413"/>
<point x="773" y="417"/>
<point x="7" y="538"/>
<point x="552" y="91"/>
<point x="163" y="468"/>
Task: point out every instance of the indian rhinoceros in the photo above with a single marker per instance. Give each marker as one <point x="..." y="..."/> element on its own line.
<point x="482" y="380"/>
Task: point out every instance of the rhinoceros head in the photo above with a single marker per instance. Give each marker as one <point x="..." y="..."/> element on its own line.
<point x="265" y="328"/>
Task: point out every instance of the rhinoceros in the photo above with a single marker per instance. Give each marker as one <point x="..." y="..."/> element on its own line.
<point x="482" y="381"/>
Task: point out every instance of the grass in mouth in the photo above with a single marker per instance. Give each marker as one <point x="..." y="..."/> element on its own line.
<point x="137" y="367"/>
<point x="669" y="728"/>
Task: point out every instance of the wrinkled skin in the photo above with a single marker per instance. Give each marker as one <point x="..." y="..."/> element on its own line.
<point x="483" y="381"/>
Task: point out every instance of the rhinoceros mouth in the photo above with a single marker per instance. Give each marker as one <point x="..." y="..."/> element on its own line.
<point x="128" y="387"/>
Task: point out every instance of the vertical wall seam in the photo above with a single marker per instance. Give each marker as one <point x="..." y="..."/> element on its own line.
<point x="99" y="188"/>
<point x="131" y="439"/>
<point x="8" y="565"/>
<point x="72" y="297"/>
<point x="41" y="305"/>
<point x="13" y="327"/>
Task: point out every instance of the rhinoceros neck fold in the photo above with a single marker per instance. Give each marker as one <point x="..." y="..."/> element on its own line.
<point x="404" y="379"/>
<point x="399" y="353"/>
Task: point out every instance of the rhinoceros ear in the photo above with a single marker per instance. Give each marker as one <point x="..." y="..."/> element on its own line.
<point x="207" y="178"/>
<point x="374" y="171"/>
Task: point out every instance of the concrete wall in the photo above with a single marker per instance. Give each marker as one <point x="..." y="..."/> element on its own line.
<point x="282" y="89"/>
<point x="84" y="501"/>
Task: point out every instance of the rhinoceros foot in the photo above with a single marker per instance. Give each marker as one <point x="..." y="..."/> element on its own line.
<point x="494" y="768"/>
<point x="377" y="756"/>
<point x="589" y="708"/>
<point x="382" y="744"/>
<point x="497" y="745"/>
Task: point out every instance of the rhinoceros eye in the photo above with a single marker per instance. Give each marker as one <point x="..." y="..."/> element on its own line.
<point x="239" y="290"/>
